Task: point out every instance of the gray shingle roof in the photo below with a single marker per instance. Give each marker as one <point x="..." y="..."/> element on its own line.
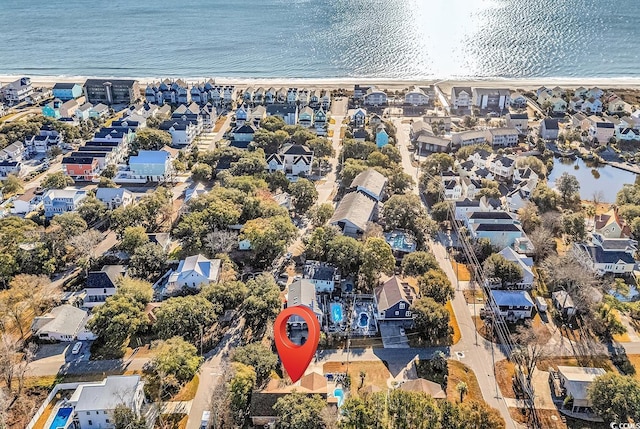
<point x="355" y="207"/>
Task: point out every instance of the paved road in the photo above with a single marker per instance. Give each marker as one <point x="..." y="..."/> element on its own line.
<point x="58" y="365"/>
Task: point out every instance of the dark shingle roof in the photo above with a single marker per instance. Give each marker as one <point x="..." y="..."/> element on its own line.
<point x="106" y="278"/>
<point x="551" y="124"/>
<point x="601" y="257"/>
<point x="507" y="227"/>
<point x="62" y="85"/>
<point x="490" y="215"/>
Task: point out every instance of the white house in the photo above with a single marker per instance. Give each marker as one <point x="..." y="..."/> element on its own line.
<point x="303" y="292"/>
<point x="607" y="255"/>
<point x="102" y="284"/>
<point x="375" y="97"/>
<point x="114" y="197"/>
<point x="15" y="151"/>
<point x="563" y="302"/>
<point x="416" y="97"/>
<point x="27" y="202"/>
<point x="461" y="97"/>
<point x="513" y="305"/>
<point x="519" y="121"/>
<point x="94" y="403"/>
<point x="182" y="132"/>
<point x="58" y="201"/>
<point x="193" y="272"/>
<point x="452" y="188"/>
<point x="293" y="159"/>
<point x="502" y="137"/>
<point x="549" y="129"/>
<point x="64" y="323"/>
<point x="17" y="91"/>
<point x="576" y="381"/>
<point x="525" y="263"/>
<point x="322" y="275"/>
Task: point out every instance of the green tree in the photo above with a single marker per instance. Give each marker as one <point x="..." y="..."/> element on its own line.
<point x="269" y="141"/>
<point x="174" y="358"/>
<point x="412" y="410"/>
<point x="240" y="387"/>
<point x="544" y="197"/>
<point x="110" y="171"/>
<point x="268" y="237"/>
<point x="431" y="320"/>
<point x="435" y="284"/>
<point x="201" y="172"/>
<point x="116" y="320"/>
<point x="574" y="226"/>
<point x="70" y="223"/>
<point x="92" y="210"/>
<point x="225" y="295"/>
<point x="263" y="303"/>
<point x="320" y="214"/>
<point x="440" y="211"/>
<point x="345" y="253"/>
<point x="605" y="321"/>
<point x="358" y="413"/>
<point x="133" y="238"/>
<point x="616" y="398"/>
<point x="417" y="263"/>
<point x="534" y="164"/>
<point x="249" y="164"/>
<point x="272" y="123"/>
<point x="350" y="169"/>
<point x="147" y="261"/>
<point x="462" y="389"/>
<point x="480" y="416"/>
<point x="357" y="149"/>
<point x="437" y="163"/>
<point x="137" y="290"/>
<point x="321" y="147"/>
<point x="106" y="183"/>
<point x="277" y="180"/>
<point x="529" y="217"/>
<point x="188" y="317"/>
<point x="258" y="356"/>
<point x="11" y="186"/>
<point x="407" y="212"/>
<point x="57" y="180"/>
<point x="377" y="258"/>
<point x="497" y="266"/>
<point x="299" y="411"/>
<point x="568" y="187"/>
<point x="150" y="139"/>
<point x="304" y="195"/>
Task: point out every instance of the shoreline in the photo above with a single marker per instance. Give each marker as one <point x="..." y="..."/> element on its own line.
<point x="348" y="82"/>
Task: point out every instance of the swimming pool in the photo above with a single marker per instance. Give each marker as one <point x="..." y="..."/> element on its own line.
<point x="363" y="320"/>
<point x="339" y="393"/>
<point x="336" y="312"/>
<point x="62" y="418"/>
<point x="633" y="293"/>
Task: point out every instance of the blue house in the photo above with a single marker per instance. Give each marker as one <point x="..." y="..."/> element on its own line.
<point x="52" y="109"/>
<point x="153" y="165"/>
<point x="393" y="300"/>
<point x="382" y="138"/>
<point x="67" y="91"/>
<point x="58" y="201"/>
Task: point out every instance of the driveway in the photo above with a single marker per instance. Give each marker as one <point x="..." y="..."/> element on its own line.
<point x="391" y="337"/>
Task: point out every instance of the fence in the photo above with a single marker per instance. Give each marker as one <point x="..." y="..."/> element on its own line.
<point x="52" y="394"/>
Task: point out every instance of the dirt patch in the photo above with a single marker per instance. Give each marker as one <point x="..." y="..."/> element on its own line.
<point x="459" y="372"/>
<point x="622" y="338"/>
<point x="376" y="373"/>
<point x="461" y="270"/>
<point x="453" y="322"/>
<point x="635" y="361"/>
<point x="175" y="421"/>
<point x="482" y="328"/>
<point x="473" y="295"/>
<point x="505" y="371"/>
<point x="589" y="361"/>
<point x="219" y="123"/>
<point x="188" y="391"/>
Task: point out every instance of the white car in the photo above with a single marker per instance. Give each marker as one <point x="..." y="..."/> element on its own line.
<point x="402" y="332"/>
<point x="76" y="348"/>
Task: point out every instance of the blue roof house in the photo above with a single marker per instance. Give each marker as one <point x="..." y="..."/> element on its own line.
<point x="67" y="91"/>
<point x="152" y="165"/>
<point x="382" y="138"/>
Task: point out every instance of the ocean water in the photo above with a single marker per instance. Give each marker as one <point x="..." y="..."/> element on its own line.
<point x="404" y="39"/>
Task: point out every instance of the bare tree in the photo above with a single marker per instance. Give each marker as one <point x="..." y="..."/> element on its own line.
<point x="21" y="367"/>
<point x="85" y="246"/>
<point x="543" y="242"/>
<point x="531" y="341"/>
<point x="10" y="347"/>
<point x="220" y="241"/>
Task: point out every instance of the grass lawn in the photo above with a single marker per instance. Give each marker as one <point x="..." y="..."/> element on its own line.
<point x="461" y="271"/>
<point x="635" y="361"/>
<point x="453" y="322"/>
<point x="460" y="372"/>
<point x="505" y="371"/>
<point x="219" y="123"/>
<point x="377" y="373"/>
<point x="188" y="391"/>
<point x="591" y="361"/>
<point x="549" y="419"/>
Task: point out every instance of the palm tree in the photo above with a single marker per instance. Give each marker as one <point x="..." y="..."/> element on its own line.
<point x="462" y="389"/>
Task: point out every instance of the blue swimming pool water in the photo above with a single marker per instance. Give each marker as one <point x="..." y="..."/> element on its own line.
<point x="363" y="320"/>
<point x="633" y="293"/>
<point x="61" y="418"/>
<point x="338" y="393"/>
<point x="336" y="312"/>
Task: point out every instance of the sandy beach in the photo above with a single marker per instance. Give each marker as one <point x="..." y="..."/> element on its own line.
<point x="390" y="84"/>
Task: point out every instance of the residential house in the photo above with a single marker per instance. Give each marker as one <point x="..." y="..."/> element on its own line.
<point x="375" y="97"/>
<point x="289" y="113"/>
<point x="502" y="167"/>
<point x="461" y="97"/>
<point x="98" y="111"/>
<point x="64" y="323"/>
<point x="325" y="100"/>
<point x="15" y="151"/>
<point x="183" y="133"/>
<point x="577" y="120"/>
<point x="558" y="105"/>
<point x="431" y="143"/>
<point x="416" y="97"/>
<point x="358" y="117"/>
<point x="209" y="115"/>
<point x="611" y="225"/>
<point x="382" y="138"/>
<point x="354" y="211"/>
<point x="618" y="105"/>
<point x="591" y="105"/>
<point x="576" y="380"/>
<point x="305" y="118"/>
<point x="102" y="284"/>
<point x="594" y="92"/>
<point x="463" y="209"/>
<point x="94" y="403"/>
<point x="270" y="96"/>
<point x="81" y="167"/>
<point x="467" y="138"/>
<point x="549" y="129"/>
<point x="83" y="112"/>
<point x="58" y="201"/>
<point x="563" y="302"/>
<point x="303" y="98"/>
<point x="502" y="137"/>
<point x="67" y="91"/>
<point x="27" y="202"/>
<point x="114" y="197"/>
<point x="241" y="116"/>
<point x="393" y="301"/>
<point x="17" y="91"/>
<point x="470" y="187"/>
<point x="628" y="134"/>
<point x="452" y="188"/>
<point x="496" y="100"/>
<point x="68" y="108"/>
<point x="580" y="92"/>
<point x="292" y="96"/>
<point x="513" y="305"/>
<point x="192" y="273"/>
<point x="424" y="386"/>
<point x="500" y="234"/>
<point x="525" y="264"/>
<point x="303" y="292"/>
<point x="243" y="133"/>
<point x="10" y="167"/>
<point x="111" y="91"/>
<point x="600" y="129"/>
<point x="52" y="109"/>
<point x="193" y="193"/>
<point x="518" y="101"/>
<point x="257" y="114"/>
<point x="320" y="120"/>
<point x="519" y="121"/>
<point x="323" y="276"/>
<point x="371" y="183"/>
<point x="607" y="255"/>
<point x="293" y="159"/>
<point x="152" y="165"/>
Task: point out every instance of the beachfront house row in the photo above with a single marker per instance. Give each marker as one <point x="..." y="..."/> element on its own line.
<point x="461" y="98"/>
<point x="549" y="129"/>
<point x="152" y="165"/>
<point x="322" y="275"/>
<point x="58" y="201"/>
<point x="518" y="101"/>
<point x="416" y="97"/>
<point x="17" y="91"/>
<point x="591" y="105"/>
<point x="618" y="106"/>
<point x="513" y="305"/>
<point x="67" y="91"/>
<point x="375" y="97"/>
<point x="519" y="121"/>
<point x="491" y="99"/>
<point x="558" y="105"/>
<point x="393" y="301"/>
<point x="111" y="91"/>
<point x="102" y="284"/>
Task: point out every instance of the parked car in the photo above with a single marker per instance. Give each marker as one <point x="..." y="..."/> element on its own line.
<point x="76" y="348"/>
<point x="402" y="332"/>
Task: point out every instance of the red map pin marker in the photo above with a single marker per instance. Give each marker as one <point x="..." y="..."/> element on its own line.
<point x="296" y="358"/>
